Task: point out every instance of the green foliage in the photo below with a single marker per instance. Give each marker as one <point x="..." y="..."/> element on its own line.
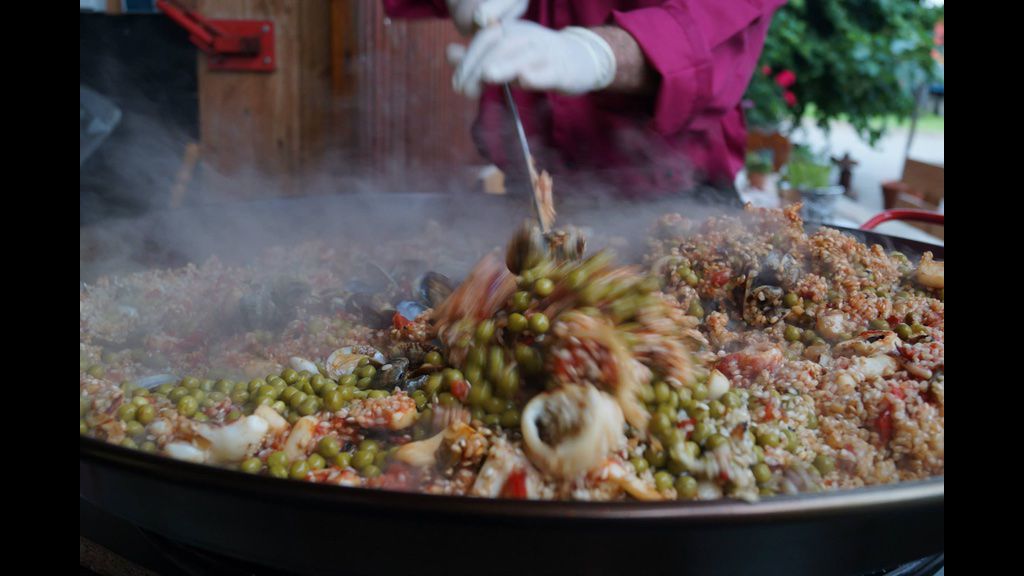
<point x="858" y="60"/>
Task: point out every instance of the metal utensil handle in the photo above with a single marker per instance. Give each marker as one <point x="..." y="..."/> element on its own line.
<point x="527" y="157"/>
<point x="904" y="214"/>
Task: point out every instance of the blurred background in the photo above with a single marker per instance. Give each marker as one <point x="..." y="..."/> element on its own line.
<point x="849" y="93"/>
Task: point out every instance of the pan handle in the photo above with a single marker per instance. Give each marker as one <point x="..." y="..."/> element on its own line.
<point x="904" y="214"/>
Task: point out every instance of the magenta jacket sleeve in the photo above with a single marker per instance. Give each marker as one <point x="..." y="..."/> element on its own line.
<point x="705" y="52"/>
<point x="415" y="8"/>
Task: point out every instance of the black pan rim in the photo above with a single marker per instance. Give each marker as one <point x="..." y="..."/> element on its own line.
<point x="919" y="493"/>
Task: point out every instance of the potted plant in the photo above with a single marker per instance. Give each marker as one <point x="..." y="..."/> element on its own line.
<point x="809" y="174"/>
<point x="758" y="168"/>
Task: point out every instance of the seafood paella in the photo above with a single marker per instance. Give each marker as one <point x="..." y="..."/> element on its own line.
<point x="743" y="357"/>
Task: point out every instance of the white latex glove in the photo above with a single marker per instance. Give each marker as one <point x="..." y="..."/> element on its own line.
<point x="571" y="61"/>
<point x="470" y="15"/>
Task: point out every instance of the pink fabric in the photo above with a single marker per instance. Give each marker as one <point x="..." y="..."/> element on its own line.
<point x="692" y="129"/>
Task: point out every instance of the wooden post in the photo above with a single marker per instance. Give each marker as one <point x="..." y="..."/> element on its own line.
<point x="265" y="132"/>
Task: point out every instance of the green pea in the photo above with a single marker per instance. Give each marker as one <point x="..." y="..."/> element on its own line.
<point x="371" y="471"/>
<point x="472" y="374"/>
<point x="327" y="388"/>
<point x="296" y="399"/>
<point x="639" y="464"/>
<point x="701" y="432"/>
<point x="364" y="383"/>
<point x="695" y="309"/>
<point x="239" y="396"/>
<point x="83" y="428"/>
<point x="529" y="358"/>
<point x="663" y="480"/>
<point x="348" y="380"/>
<point x="918" y="328"/>
<point x="420" y="398"/>
<point x="129" y="443"/>
<point x="491" y="420"/>
<point x="495" y="363"/>
<point x="692" y="279"/>
<point x="233" y="415"/>
<point x="903" y="331"/>
<point x="363" y="458"/>
<point x="251" y="466"/>
<point x="769" y="438"/>
<point x="253" y="386"/>
<point x="485" y="331"/>
<point x="508" y="385"/>
<point x="479" y="394"/>
<point x="792" y="443"/>
<point x="378" y="394"/>
<point x="343" y="460"/>
<point x="289" y="375"/>
<point x="224" y="386"/>
<point x="200" y="417"/>
<point x="716" y="409"/>
<point x="510" y="418"/>
<point x="808" y="336"/>
<point x="762" y="473"/>
<point x="683" y="270"/>
<point x="165" y="389"/>
<point x="655" y="457"/>
<point x="148" y="446"/>
<point x="716" y="440"/>
<point x="517" y="322"/>
<point x="277" y="458"/>
<point x="662" y="391"/>
<point x="539" y="323"/>
<point x="879" y="324"/>
<point x="299" y="470"/>
<point x="451" y="375"/>
<point x="543" y="287"/>
<point x="434" y="358"/>
<point x="134" y="429"/>
<point x="790" y="299"/>
<point x="279" y="407"/>
<point x="316" y="462"/>
<point x="686" y="487"/>
<point x="278" y="471"/>
<point x="494" y="405"/>
<point x="661" y="424"/>
<point x="308" y="406"/>
<point x="433" y="384"/>
<point x="521" y="301"/>
<point x="367" y="371"/>
<point x="824" y="463"/>
<point x="700" y="391"/>
<point x="177" y="394"/>
<point x="189" y="383"/>
<point x="328" y="447"/>
<point x="187" y="406"/>
<point x="792" y="333"/>
<point x="127" y="412"/>
<point x="334" y="400"/>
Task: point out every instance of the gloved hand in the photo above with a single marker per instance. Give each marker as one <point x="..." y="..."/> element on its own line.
<point x="470" y="15"/>
<point x="571" y="61"/>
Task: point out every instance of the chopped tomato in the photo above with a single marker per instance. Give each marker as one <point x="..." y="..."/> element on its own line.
<point x="515" y="485"/>
<point x="884" y="425"/>
<point x="460" y="389"/>
<point x="399" y="321"/>
<point x="720" y="278"/>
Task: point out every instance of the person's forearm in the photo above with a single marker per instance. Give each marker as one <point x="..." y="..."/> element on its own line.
<point x="633" y="75"/>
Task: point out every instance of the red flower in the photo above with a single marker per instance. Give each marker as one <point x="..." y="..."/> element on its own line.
<point x="790" y="98"/>
<point x="766" y="70"/>
<point x="785" y="79"/>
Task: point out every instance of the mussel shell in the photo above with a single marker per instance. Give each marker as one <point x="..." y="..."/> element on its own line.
<point x="526" y="249"/>
<point x="393" y="373"/>
<point x="433" y="288"/>
<point x="410" y="310"/>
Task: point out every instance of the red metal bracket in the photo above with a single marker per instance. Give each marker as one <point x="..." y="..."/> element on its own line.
<point x="237" y="45"/>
